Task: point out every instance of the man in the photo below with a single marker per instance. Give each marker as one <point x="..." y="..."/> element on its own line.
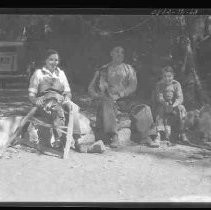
<point x="113" y="86"/>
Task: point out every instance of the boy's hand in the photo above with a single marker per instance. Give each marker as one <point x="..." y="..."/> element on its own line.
<point x="169" y="108"/>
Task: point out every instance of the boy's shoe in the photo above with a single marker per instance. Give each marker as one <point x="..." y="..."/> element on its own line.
<point x="156" y="142"/>
<point x="56" y="144"/>
<point x="152" y="143"/>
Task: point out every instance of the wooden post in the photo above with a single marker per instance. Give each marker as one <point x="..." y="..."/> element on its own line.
<point x="69" y="136"/>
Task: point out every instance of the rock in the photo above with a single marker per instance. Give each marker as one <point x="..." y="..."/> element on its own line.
<point x="87" y="138"/>
<point x="199" y="122"/>
<point x="142" y="119"/>
<point x="124" y="136"/>
<point x="124" y="124"/>
<point x="97" y="147"/>
<point x="205" y="121"/>
<point x="192" y="119"/>
<point x="84" y="124"/>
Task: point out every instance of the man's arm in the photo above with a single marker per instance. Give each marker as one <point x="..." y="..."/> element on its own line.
<point x="131" y="81"/>
<point x="92" y="86"/>
<point x="33" y="88"/>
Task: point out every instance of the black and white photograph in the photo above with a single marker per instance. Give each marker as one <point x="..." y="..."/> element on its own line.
<point x="100" y="107"/>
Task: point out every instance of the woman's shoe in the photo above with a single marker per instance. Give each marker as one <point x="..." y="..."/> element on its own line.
<point x="56" y="144"/>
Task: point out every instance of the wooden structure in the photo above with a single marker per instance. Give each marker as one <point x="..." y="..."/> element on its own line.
<point x="10" y="71"/>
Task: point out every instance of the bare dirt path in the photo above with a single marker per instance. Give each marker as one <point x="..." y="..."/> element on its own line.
<point x="128" y="174"/>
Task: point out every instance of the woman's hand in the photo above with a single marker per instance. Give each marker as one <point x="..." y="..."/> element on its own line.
<point x="39" y="101"/>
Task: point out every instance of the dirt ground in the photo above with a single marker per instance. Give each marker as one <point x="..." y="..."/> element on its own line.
<point x="131" y="173"/>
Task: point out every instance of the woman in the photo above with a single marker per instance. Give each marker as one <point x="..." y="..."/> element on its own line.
<point x="49" y="90"/>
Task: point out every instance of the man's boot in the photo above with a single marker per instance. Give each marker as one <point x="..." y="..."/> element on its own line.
<point x="114" y="141"/>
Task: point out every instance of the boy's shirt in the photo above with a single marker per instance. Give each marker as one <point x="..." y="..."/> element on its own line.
<point x="169" y="93"/>
<point x="43" y="79"/>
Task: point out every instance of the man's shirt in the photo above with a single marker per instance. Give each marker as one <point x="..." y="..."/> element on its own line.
<point x="119" y="81"/>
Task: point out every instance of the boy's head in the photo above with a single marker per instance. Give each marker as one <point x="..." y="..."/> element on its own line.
<point x="168" y="74"/>
<point x="117" y="54"/>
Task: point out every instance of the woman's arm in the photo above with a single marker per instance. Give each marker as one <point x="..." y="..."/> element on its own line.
<point x="38" y="101"/>
<point x="67" y="91"/>
<point x="33" y="89"/>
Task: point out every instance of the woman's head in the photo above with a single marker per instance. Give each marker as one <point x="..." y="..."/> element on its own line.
<point x="117" y="54"/>
<point x="168" y="74"/>
<point x="51" y="59"/>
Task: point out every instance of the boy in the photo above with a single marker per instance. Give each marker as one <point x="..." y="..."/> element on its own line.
<point x="170" y="112"/>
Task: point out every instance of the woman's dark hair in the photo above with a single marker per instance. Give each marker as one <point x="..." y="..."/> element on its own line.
<point x="49" y="52"/>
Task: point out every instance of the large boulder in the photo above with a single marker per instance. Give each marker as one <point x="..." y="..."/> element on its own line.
<point x="204" y="122"/>
<point x="7" y="126"/>
<point x="142" y="120"/>
<point x="199" y="121"/>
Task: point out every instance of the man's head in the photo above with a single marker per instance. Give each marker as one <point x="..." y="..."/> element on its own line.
<point x="117" y="54"/>
<point x="168" y="74"/>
